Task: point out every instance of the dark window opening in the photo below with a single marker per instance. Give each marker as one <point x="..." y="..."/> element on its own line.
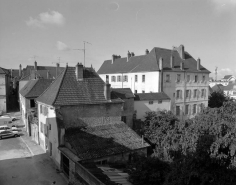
<point x="32" y="103"/>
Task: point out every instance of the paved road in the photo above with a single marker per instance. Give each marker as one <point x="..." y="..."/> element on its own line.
<point x="22" y="162"/>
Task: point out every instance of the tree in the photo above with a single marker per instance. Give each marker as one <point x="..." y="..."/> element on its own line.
<point x="216" y="99"/>
<point x="147" y="171"/>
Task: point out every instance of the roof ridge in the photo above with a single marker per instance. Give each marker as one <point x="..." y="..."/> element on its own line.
<point x="60" y="84"/>
<point x="50" y="86"/>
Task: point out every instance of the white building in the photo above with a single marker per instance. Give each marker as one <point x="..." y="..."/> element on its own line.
<point x="172" y="71"/>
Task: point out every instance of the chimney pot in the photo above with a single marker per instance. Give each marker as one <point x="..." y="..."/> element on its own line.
<point x="20" y="70"/>
<point x="161" y="63"/>
<point x="57" y="68"/>
<point x="146" y="51"/>
<point x="35" y="65"/>
<point x="113" y="59"/>
<point x="132" y="54"/>
<point x="181" y="65"/>
<point x="172" y="64"/>
<point x="48" y="75"/>
<point x="198" y="63"/>
<point x="128" y="56"/>
<point x="79" y="72"/>
<point x="181" y="52"/>
<point x="107" y="89"/>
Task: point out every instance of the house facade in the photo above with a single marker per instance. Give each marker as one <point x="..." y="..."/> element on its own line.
<point x="78" y="121"/>
<point x="28" y="94"/>
<point x="146" y="102"/>
<point x="172" y="71"/>
<point x="230" y="90"/>
<point x="227" y="79"/>
<point x="4" y="89"/>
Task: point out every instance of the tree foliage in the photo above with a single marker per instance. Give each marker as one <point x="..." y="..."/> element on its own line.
<point x="216" y="99"/>
<point x="199" y="150"/>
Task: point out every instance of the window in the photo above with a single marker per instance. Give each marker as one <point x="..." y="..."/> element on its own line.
<point x="159" y="101"/>
<point x="173" y="94"/>
<point x="32" y="103"/>
<point x="195" y="93"/>
<point x="194" y="108"/>
<point x="135" y="91"/>
<point x="41" y="127"/>
<point x="201" y="106"/>
<point x="143" y="91"/>
<point x="186" y="109"/>
<point x="41" y="109"/>
<point x="49" y="126"/>
<point x="123" y="118"/>
<point x="45" y="130"/>
<point x="195" y="78"/>
<point x="178" y="78"/>
<point x="125" y="78"/>
<point x="150" y="102"/>
<point x="203" y="93"/>
<point x="188" y="78"/>
<point x="203" y="79"/>
<point x="45" y="111"/>
<point x="177" y="110"/>
<point x="167" y="78"/>
<point x="136" y="78"/>
<point x="113" y="78"/>
<point x="179" y="94"/>
<point x="187" y="93"/>
<point x="118" y="78"/>
<point x="143" y="78"/>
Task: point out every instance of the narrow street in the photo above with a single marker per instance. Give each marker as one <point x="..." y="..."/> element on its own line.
<point x="23" y="162"/>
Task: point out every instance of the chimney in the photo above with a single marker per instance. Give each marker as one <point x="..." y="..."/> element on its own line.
<point x="160" y="86"/>
<point x="181" y="52"/>
<point x="172" y="61"/>
<point x="35" y="65"/>
<point x="128" y="56"/>
<point x="181" y="65"/>
<point x="132" y="54"/>
<point x="79" y="72"/>
<point x="198" y="64"/>
<point x="48" y="75"/>
<point x="107" y="89"/>
<point x="113" y="59"/>
<point x="146" y="51"/>
<point x="20" y="70"/>
<point x="57" y="68"/>
<point x="11" y="73"/>
<point x="160" y="63"/>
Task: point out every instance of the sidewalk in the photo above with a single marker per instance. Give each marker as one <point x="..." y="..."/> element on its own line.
<point x="34" y="148"/>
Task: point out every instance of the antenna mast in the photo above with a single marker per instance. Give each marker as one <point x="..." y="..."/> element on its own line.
<point x="85" y="42"/>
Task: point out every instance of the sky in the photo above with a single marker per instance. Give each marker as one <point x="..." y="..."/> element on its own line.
<point x="51" y="31"/>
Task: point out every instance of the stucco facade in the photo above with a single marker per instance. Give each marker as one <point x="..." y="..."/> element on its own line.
<point x="4" y="92"/>
<point x="139" y="82"/>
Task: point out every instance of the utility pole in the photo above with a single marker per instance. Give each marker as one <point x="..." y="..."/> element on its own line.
<point x="85" y="42"/>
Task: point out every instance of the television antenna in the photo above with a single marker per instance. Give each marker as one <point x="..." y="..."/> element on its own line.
<point x="85" y="42"/>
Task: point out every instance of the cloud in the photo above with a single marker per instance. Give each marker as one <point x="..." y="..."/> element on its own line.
<point x="47" y="18"/>
<point x="224" y="5"/>
<point x="62" y="46"/>
<point x="226" y="70"/>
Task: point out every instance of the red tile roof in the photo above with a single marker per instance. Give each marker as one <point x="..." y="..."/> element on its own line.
<point x="103" y="140"/>
<point x="151" y="96"/>
<point x="66" y="90"/>
<point x="150" y="62"/>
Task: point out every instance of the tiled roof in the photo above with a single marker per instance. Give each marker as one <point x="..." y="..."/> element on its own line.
<point x="151" y="96"/>
<point x="4" y="71"/>
<point x="122" y="93"/>
<point x="103" y="140"/>
<point x="66" y="90"/>
<point x="230" y="86"/>
<point x="35" y="88"/>
<point x="227" y="76"/>
<point x="150" y="62"/>
<point x="41" y="71"/>
<point x="217" y="88"/>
